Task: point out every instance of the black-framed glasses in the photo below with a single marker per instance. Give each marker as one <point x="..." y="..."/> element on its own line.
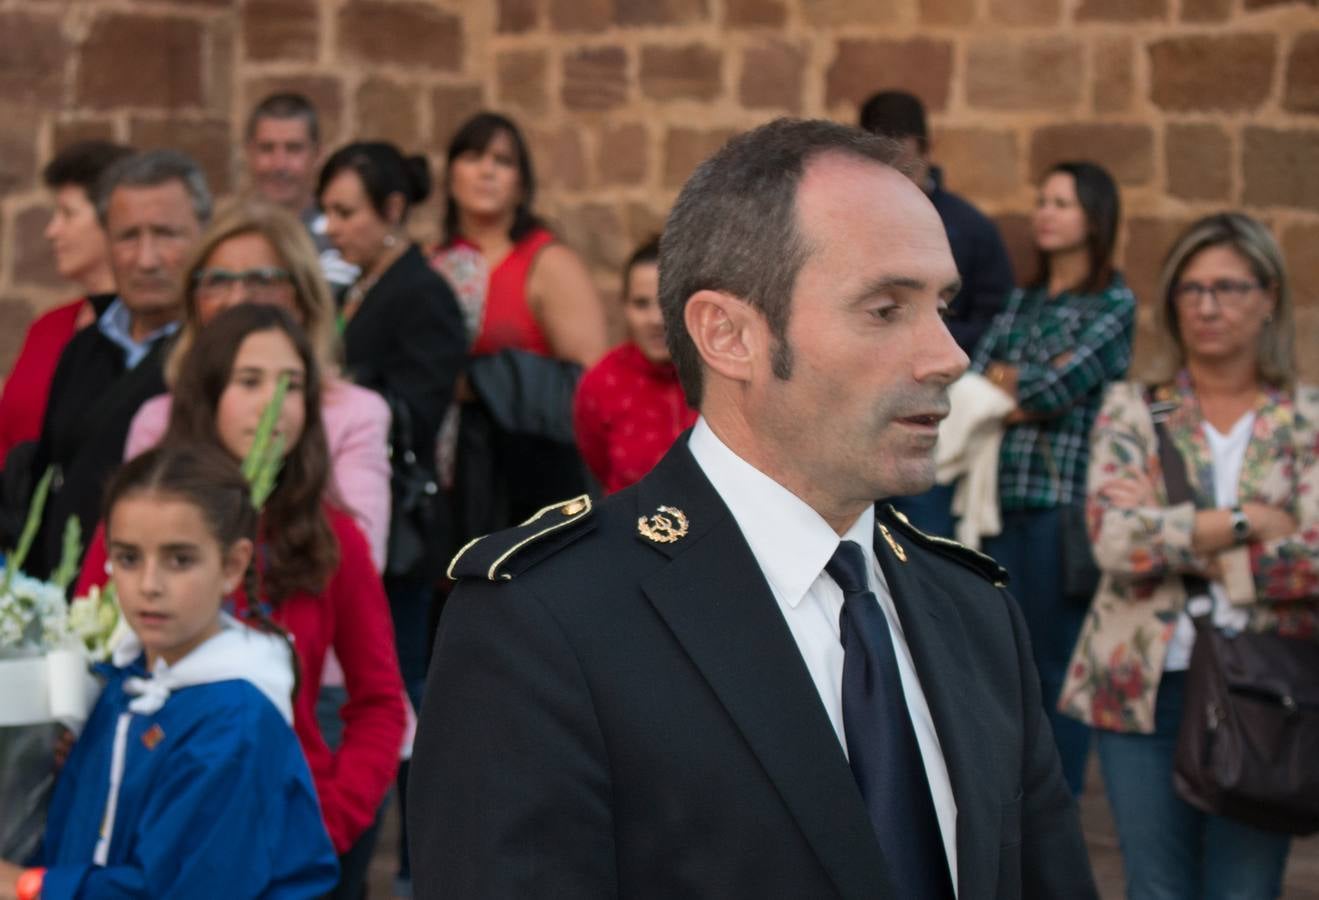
<point x="262" y="280"/>
<point x="1226" y="292"/>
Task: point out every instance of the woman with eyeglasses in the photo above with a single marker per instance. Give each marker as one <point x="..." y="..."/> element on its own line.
<point x="1056" y="345"/>
<point x="1248" y="434"/>
<point x="256" y="252"/>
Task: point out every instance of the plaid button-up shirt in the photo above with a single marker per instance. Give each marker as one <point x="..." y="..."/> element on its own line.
<point x="1067" y="349"/>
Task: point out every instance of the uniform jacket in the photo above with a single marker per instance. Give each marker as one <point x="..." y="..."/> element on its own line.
<point x="611" y="716"/>
<point x="1114" y="675"/>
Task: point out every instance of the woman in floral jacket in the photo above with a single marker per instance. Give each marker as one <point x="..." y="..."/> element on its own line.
<point x="1249" y="435"/>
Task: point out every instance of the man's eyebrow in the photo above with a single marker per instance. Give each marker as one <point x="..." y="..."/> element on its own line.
<point x="905" y="282"/>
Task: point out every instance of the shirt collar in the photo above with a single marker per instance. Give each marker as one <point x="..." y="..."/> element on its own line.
<point x="788" y="538"/>
<point x="116" y="323"/>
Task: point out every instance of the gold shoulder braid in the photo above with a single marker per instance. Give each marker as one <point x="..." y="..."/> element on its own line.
<point x="984" y="564"/>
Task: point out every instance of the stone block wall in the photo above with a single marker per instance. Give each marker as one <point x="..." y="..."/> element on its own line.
<point x="1195" y="105"/>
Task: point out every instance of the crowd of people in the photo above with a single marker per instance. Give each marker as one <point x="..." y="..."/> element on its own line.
<point x="431" y="396"/>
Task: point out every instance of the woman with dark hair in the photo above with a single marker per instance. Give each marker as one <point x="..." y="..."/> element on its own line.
<point x="1055" y="347"/>
<point x="539" y="324"/>
<point x="1243" y="546"/>
<point x="313" y="567"/>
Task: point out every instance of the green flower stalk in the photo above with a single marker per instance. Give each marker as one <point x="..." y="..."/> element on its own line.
<point x="29" y="534"/>
<point x="263" y="461"/>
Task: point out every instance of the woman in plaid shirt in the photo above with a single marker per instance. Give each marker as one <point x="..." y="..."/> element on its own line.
<point x="1055" y="347"/>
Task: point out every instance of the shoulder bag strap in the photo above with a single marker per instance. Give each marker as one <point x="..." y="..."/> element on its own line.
<point x="1178" y="485"/>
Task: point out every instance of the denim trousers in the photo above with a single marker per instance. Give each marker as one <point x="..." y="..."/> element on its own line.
<point x="1170" y="849"/>
<point x="1030" y="549"/>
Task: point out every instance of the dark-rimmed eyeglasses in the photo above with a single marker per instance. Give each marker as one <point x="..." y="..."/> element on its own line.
<point x="1227" y="293"/>
<point x="263" y="280"/>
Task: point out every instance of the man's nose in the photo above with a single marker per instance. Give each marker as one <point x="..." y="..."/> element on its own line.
<point x="938" y="356"/>
<point x="148" y="253"/>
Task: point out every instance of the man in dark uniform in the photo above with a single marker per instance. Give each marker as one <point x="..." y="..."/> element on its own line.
<point x="738" y="678"/>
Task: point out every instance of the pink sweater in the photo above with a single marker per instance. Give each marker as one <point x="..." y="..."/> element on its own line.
<point x="357" y="430"/>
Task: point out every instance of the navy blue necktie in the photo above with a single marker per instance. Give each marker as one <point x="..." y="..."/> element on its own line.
<point x="881" y="742"/>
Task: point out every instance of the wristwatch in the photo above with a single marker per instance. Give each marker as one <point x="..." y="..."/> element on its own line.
<point x="1240" y="525"/>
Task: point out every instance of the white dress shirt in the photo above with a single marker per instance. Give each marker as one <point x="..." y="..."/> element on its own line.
<point x="792" y="544"/>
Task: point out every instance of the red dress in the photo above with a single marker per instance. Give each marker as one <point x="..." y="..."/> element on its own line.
<point x="627" y="413"/>
<point x="352" y="616"/>
<point x="23" y="402"/>
<point x="507" y="320"/>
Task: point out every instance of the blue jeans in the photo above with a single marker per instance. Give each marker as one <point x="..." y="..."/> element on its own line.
<point x="1030" y="548"/>
<point x="1170" y="849"/>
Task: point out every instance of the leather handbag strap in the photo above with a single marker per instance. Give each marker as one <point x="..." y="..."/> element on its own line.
<point x="1177" y="483"/>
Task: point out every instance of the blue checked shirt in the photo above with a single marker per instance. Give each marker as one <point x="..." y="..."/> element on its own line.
<point x="1067" y="350"/>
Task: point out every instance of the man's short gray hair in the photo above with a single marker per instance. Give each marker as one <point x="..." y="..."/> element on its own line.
<point x="152" y="168"/>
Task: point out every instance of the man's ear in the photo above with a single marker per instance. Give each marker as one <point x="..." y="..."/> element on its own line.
<point x="236" y="560"/>
<point x="727" y="332"/>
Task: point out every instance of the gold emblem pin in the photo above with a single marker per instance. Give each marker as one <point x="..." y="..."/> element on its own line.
<point x="573" y="507"/>
<point x="893" y="545"/>
<point x="662" y="529"/>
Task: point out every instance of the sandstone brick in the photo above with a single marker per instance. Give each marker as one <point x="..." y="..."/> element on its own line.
<point x="772" y="76"/>
<point x="1020" y="243"/>
<point x="18" y="148"/>
<point x="388" y="111"/>
<point x="581" y="15"/>
<point x="281" y="30"/>
<point x="1034" y="74"/>
<point x="521" y="77"/>
<point x="689" y="72"/>
<point x="1147" y="243"/>
<point x="686" y="148"/>
<point x="325" y="93"/>
<point x="1114" y="83"/>
<point x="209" y="141"/>
<point x="1298" y="247"/>
<point x="751" y="13"/>
<point x="221" y="59"/>
<point x="1302" y="86"/>
<point x="560" y="157"/>
<point x="862" y="67"/>
<point x="1121" y="10"/>
<point x="1025" y="12"/>
<point x="643" y="222"/>
<point x="1209" y="72"/>
<point x="1307" y="338"/>
<point x="662" y="12"/>
<point x="852" y="12"/>
<point x="16" y="315"/>
<point x="34" y="264"/>
<point x="947" y="12"/>
<point x="977" y="162"/>
<point x="595" y="78"/>
<point x="624" y="154"/>
<point x="451" y="106"/>
<point x="32" y="54"/>
<point x="596" y="231"/>
<point x="1206" y="10"/>
<point x="413" y="34"/>
<point x="1127" y="151"/>
<point x="166" y="69"/>
<point x="1198" y="160"/>
<point x="1265" y="4"/>
<point x="1281" y="168"/>
<point x="517" y="15"/>
<point x="70" y="131"/>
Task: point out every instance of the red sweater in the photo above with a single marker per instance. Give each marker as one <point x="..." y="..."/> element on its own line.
<point x="627" y="413"/>
<point x="351" y="615"/>
<point x="23" y="402"/>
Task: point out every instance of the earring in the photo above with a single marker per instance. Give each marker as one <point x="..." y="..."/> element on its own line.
<point x="390" y="240"/>
<point x="109" y="569"/>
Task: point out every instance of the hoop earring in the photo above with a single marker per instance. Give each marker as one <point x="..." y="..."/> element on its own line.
<point x="390" y="240"/>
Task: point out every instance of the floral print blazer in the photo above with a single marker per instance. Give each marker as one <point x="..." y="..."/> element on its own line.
<point x="1118" y="661"/>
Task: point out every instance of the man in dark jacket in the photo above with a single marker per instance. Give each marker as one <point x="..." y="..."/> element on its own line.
<point x="153" y="207"/>
<point x="978" y="251"/>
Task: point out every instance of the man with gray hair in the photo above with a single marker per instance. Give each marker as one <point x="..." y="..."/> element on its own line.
<point x="153" y="207"/>
<point x="738" y="678"/>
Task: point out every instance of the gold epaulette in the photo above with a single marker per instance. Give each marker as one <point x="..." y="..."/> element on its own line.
<point x="493" y="556"/>
<point x="973" y="559"/>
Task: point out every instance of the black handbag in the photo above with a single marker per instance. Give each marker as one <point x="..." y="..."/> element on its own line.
<point x="415" y="520"/>
<point x="1248" y="743"/>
